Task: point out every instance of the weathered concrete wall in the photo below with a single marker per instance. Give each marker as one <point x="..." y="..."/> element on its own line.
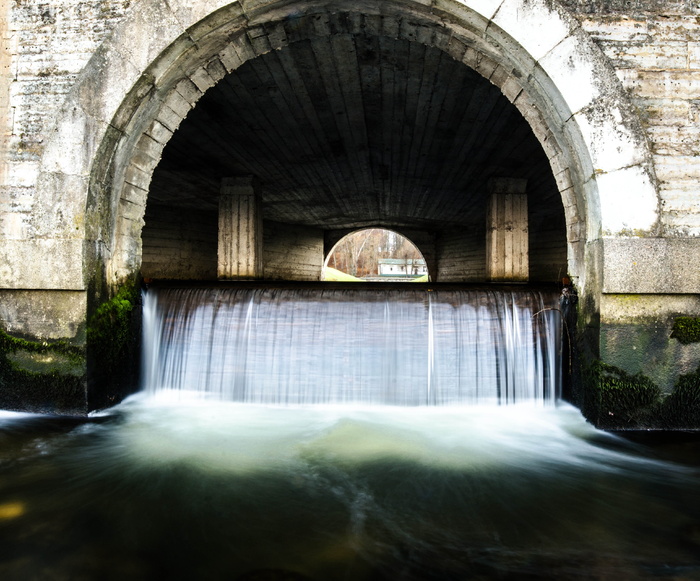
<point x="178" y="245"/>
<point x="506" y="17"/>
<point x="462" y="255"/>
<point x="654" y="47"/>
<point x="5" y="83"/>
<point x="43" y="48"/>
<point x="636" y="336"/>
<point x="48" y="44"/>
<point x="647" y="283"/>
<point x="651" y="45"/>
<point x="292" y="252"/>
<point x="182" y="246"/>
<point x="46" y="315"/>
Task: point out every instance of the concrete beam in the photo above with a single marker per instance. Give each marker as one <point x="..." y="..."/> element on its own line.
<point x="507" y="256"/>
<point x="240" y="230"/>
<point x="651" y="266"/>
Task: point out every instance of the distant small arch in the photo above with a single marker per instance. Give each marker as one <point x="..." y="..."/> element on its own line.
<point x="375" y="255"/>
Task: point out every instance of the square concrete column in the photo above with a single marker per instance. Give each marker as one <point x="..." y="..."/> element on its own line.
<point x="507" y="256"/>
<point x="240" y="229"/>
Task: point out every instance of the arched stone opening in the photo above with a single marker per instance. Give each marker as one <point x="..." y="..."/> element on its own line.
<point x="424" y="241"/>
<point x="346" y="129"/>
<point x="142" y="83"/>
<point x="376" y="254"/>
<point x="566" y="115"/>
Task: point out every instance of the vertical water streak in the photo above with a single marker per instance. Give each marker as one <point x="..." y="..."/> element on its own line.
<point x="431" y="352"/>
<point x="150" y="354"/>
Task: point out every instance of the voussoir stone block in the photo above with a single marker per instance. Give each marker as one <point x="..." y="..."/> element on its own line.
<point x="628" y="209"/>
<point x="547" y="24"/>
<point x="568" y="65"/>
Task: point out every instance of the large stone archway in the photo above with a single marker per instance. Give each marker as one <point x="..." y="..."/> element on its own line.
<point x="163" y="57"/>
<point x="145" y="79"/>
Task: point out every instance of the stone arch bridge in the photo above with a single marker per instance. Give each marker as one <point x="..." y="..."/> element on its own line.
<point x="136" y="133"/>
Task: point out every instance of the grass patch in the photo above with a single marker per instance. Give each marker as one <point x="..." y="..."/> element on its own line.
<point x="334" y="275"/>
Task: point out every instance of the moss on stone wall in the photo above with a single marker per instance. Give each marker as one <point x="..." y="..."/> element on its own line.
<point x="10" y="344"/>
<point x="113" y="343"/>
<point x="686" y="330"/>
<point x="618" y="400"/>
<point x="42" y="376"/>
<point x="109" y="331"/>
<point x="62" y="377"/>
<point x="681" y="408"/>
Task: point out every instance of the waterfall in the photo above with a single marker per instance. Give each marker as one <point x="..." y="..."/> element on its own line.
<point x="407" y="347"/>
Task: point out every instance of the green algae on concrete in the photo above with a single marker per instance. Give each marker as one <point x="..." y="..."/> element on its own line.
<point x="109" y="330"/>
<point x="681" y="408"/>
<point x="60" y="376"/>
<point x="651" y="334"/>
<point x="686" y="330"/>
<point x="618" y="400"/>
<point x="113" y="342"/>
<point x="42" y="376"/>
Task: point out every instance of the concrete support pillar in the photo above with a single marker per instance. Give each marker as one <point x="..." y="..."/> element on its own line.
<point x="507" y="231"/>
<point x="240" y="229"/>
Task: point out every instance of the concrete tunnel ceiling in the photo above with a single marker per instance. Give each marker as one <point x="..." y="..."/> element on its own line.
<point x="357" y="130"/>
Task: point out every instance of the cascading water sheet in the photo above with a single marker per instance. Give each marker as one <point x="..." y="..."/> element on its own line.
<point x="392" y="347"/>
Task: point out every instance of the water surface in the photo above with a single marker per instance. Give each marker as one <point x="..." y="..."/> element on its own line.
<point x="172" y="487"/>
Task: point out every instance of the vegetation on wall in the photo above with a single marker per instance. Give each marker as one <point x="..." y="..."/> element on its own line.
<point x="681" y="408"/>
<point x="618" y="399"/>
<point x="52" y="376"/>
<point x="10" y="344"/>
<point x="28" y="368"/>
<point x="686" y="330"/>
<point x="113" y="340"/>
<point x="109" y="332"/>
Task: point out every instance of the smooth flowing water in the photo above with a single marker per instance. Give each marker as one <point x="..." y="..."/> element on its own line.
<point x="177" y="483"/>
<point x="390" y="347"/>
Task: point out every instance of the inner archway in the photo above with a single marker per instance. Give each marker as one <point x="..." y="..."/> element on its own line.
<point x="373" y="255"/>
<point x="346" y="130"/>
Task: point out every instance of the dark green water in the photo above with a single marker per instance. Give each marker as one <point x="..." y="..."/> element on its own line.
<point x="163" y="489"/>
